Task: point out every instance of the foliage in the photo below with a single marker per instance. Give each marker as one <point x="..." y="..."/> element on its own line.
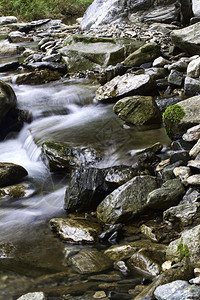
<point x="28" y="10"/>
<point x="183" y="250"/>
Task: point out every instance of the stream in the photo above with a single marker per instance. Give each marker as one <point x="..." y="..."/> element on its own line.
<point x="62" y="111"/>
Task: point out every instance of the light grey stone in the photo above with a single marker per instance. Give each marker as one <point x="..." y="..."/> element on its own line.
<point x="193" y="69"/>
<point x="33" y="296"/>
<point x="194" y="179"/>
<point x="192" y="134"/>
<point x="190" y="239"/>
<point x="195" y="149"/>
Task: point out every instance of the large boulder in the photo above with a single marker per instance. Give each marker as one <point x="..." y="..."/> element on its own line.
<point x="11" y="174"/>
<point x="9" y="115"/>
<point x="125" y="85"/>
<point x="105" y="12"/>
<point x="186" y="246"/>
<point x="188" y="38"/>
<point x="138" y="110"/>
<point x="89" y="52"/>
<point x="126" y="202"/>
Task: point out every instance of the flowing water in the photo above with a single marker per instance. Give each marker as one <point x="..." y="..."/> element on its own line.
<point x="62" y="111"/>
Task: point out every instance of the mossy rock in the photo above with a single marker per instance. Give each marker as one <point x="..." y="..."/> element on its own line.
<point x="172" y="116"/>
<point x="11" y="174"/>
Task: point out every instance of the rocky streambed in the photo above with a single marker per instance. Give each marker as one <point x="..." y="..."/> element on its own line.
<point x="97" y="202"/>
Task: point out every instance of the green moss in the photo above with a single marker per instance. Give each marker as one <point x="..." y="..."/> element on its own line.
<point x="174" y="113"/>
<point x="183" y="250"/>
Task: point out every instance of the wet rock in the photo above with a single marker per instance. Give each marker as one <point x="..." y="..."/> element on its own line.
<point x="195" y="150"/>
<point x="169" y="194"/>
<point x="126" y="202"/>
<point x="183" y="215"/>
<point x="183" y="173"/>
<point x="179" y="66"/>
<point x="192" y="195"/>
<point x="86" y="190"/>
<point x="148" y="262"/>
<point x="75" y="231"/>
<point x="181" y="156"/>
<point x="33" y="296"/>
<point x="37" y="77"/>
<point x="52" y="58"/>
<point x="99" y="295"/>
<point x="11" y="66"/>
<point x="184" y="272"/>
<point x="190" y="241"/>
<point x="118" y="175"/>
<point x="138" y="110"/>
<point x="52" y="66"/>
<point x="7" y="49"/>
<point x="111" y="233"/>
<point x="187" y="39"/>
<point x="191" y="86"/>
<point x="125" y="85"/>
<point x="16" y="191"/>
<point x="195" y="281"/>
<point x="193" y="69"/>
<point x="11" y="174"/>
<point x="192" y="134"/>
<point x="18" y="37"/>
<point x="194" y="165"/>
<point x="145" y="54"/>
<point x="160" y="62"/>
<point x="168" y="171"/>
<point x="177" y="290"/>
<point x="192" y="115"/>
<point x="120" y="252"/>
<point x="156" y="73"/>
<point x="175" y="78"/>
<point x="7" y="20"/>
<point x="148" y="233"/>
<point x="90" y="261"/>
<point x="194" y="179"/>
<point x="62" y="157"/>
<point x="163" y="103"/>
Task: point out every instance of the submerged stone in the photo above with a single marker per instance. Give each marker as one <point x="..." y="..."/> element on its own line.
<point x="75" y="231"/>
<point x="11" y="174"/>
<point x="90" y="261"/>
